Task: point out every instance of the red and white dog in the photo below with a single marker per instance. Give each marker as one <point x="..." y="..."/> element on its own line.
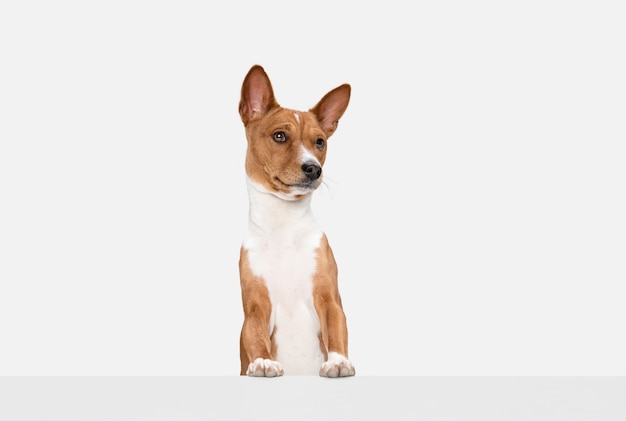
<point x="293" y="318"/>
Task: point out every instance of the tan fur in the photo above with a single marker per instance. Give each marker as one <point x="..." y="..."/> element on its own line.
<point x="334" y="331"/>
<point x="255" y="340"/>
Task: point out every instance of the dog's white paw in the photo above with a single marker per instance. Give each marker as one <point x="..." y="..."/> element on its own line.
<point x="337" y="366"/>
<point x="264" y="368"/>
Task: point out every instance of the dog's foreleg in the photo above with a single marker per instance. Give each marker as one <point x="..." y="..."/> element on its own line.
<point x="255" y="342"/>
<point x="334" y="330"/>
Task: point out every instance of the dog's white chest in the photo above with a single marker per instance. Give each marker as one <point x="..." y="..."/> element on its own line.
<point x="283" y="253"/>
<point x="288" y="274"/>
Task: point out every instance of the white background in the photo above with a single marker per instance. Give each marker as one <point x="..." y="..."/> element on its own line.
<point x="475" y="191"/>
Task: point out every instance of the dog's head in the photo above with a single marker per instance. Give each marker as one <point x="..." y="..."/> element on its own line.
<point x="287" y="148"/>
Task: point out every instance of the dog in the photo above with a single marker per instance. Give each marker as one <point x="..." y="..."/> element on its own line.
<point x="294" y="321"/>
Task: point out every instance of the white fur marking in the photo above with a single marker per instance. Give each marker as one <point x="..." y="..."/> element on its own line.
<point x="307" y="156"/>
<point x="337" y="366"/>
<point x="281" y="243"/>
<point x="264" y="368"/>
<point x="297" y="117"/>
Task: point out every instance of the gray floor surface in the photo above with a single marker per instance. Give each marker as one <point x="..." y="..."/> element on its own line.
<point x="311" y="398"/>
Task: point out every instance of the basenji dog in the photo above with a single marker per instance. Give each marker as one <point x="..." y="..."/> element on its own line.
<point x="294" y="321"/>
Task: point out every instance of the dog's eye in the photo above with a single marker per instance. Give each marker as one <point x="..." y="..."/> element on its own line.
<point x="319" y="143"/>
<point x="279" y="137"/>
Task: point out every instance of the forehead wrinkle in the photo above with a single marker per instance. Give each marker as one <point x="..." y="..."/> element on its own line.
<point x="282" y="118"/>
<point x="306" y="122"/>
<point x="284" y="126"/>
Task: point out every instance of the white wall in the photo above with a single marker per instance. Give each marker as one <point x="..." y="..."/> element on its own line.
<point x="475" y="190"/>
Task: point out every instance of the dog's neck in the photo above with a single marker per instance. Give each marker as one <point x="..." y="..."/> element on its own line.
<point x="274" y="217"/>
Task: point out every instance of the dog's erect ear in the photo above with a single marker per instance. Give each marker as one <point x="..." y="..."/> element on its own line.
<point x="330" y="108"/>
<point x="257" y="96"/>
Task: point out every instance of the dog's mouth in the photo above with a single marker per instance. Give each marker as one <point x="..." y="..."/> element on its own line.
<point x="308" y="185"/>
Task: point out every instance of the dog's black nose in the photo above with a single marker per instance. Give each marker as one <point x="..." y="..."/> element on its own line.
<point x="312" y="170"/>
